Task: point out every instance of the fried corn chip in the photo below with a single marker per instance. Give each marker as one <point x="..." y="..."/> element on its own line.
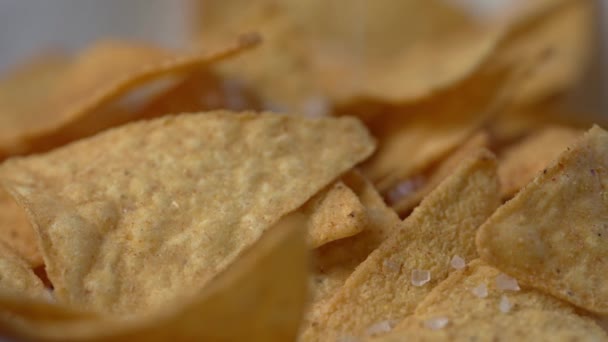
<point x="407" y="195"/>
<point x="388" y="285"/>
<point x="116" y="212"/>
<point x="16" y="230"/>
<point x="263" y="292"/>
<point x="414" y="137"/>
<point x="338" y="259"/>
<point x="363" y="52"/>
<point x="17" y="278"/>
<point x="105" y="74"/>
<point x="552" y="234"/>
<point x="520" y="162"/>
<point x="453" y="311"/>
<point x="335" y="213"/>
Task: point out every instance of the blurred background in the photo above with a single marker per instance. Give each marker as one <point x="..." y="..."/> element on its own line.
<point x="29" y="28"/>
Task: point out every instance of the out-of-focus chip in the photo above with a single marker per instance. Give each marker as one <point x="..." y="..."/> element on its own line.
<point x="408" y="194"/>
<point x="457" y="310"/>
<point x="116" y="212"/>
<point x="519" y="163"/>
<point x="260" y="297"/>
<point x="100" y="89"/>
<point x="334" y="213"/>
<point x="552" y="234"/>
<point x="388" y="285"/>
<point x="17" y="278"/>
<point x="16" y="230"/>
<point x="414" y="137"/>
<point x="201" y="91"/>
<point x="363" y="52"/>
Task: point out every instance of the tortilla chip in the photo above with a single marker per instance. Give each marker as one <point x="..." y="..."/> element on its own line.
<point x="533" y="316"/>
<point x="263" y="292"/>
<point x="382" y="288"/>
<point x="17" y="278"/>
<point x="101" y="76"/>
<point x="334" y="213"/>
<point x="407" y="195"/>
<point x="567" y="36"/>
<point x="16" y="230"/>
<point x="117" y="212"/>
<point x="361" y="52"/>
<point x="552" y="234"/>
<point x="335" y="261"/>
<point x="519" y="163"/>
<point x="414" y="137"/>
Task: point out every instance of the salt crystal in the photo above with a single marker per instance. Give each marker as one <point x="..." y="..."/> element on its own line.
<point x="390" y="265"/>
<point x="504" y="305"/>
<point x="175" y="204"/>
<point x="405" y="189"/>
<point x="379" y="328"/>
<point x="436" y="323"/>
<point x="420" y="277"/>
<point x="457" y="262"/>
<point x="504" y="282"/>
<point x="480" y="291"/>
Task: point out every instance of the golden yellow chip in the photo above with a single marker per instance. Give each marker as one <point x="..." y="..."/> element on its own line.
<point x="98" y="80"/>
<point x="338" y="259"/>
<point x="552" y="234"/>
<point x="365" y="51"/>
<point x="388" y="285"/>
<point x="519" y="163"/>
<point x="261" y="297"/>
<point x="471" y="306"/>
<point x="16" y="230"/>
<point x="408" y="194"/>
<point x="17" y="279"/>
<point x="334" y="213"/>
<point x="117" y="212"/>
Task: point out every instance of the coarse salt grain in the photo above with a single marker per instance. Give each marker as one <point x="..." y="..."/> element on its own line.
<point x="379" y="328"/>
<point x="480" y="291"/>
<point x="504" y="305"/>
<point x="436" y="323"/>
<point x="420" y="277"/>
<point x="505" y="282"/>
<point x="457" y="262"/>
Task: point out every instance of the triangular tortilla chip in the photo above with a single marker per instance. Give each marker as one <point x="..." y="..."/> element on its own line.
<point x="383" y="288"/>
<point x="338" y="259"/>
<point x="519" y="163"/>
<point x="118" y="211"/>
<point x="552" y="235"/>
<point x="532" y="316"/>
<point x="334" y="213"/>
<point x="403" y="203"/>
<point x="76" y="105"/>
<point x="16" y="230"/>
<point x="260" y="297"/>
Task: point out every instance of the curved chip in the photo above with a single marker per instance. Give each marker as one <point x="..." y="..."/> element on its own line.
<point x="116" y="212"/>
<point x="552" y="235"/>
<point x="84" y="98"/>
<point x="260" y="297"/>
<point x="16" y="230"/>
<point x="387" y="286"/>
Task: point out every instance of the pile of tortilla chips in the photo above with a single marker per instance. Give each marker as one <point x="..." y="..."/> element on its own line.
<point x="428" y="182"/>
